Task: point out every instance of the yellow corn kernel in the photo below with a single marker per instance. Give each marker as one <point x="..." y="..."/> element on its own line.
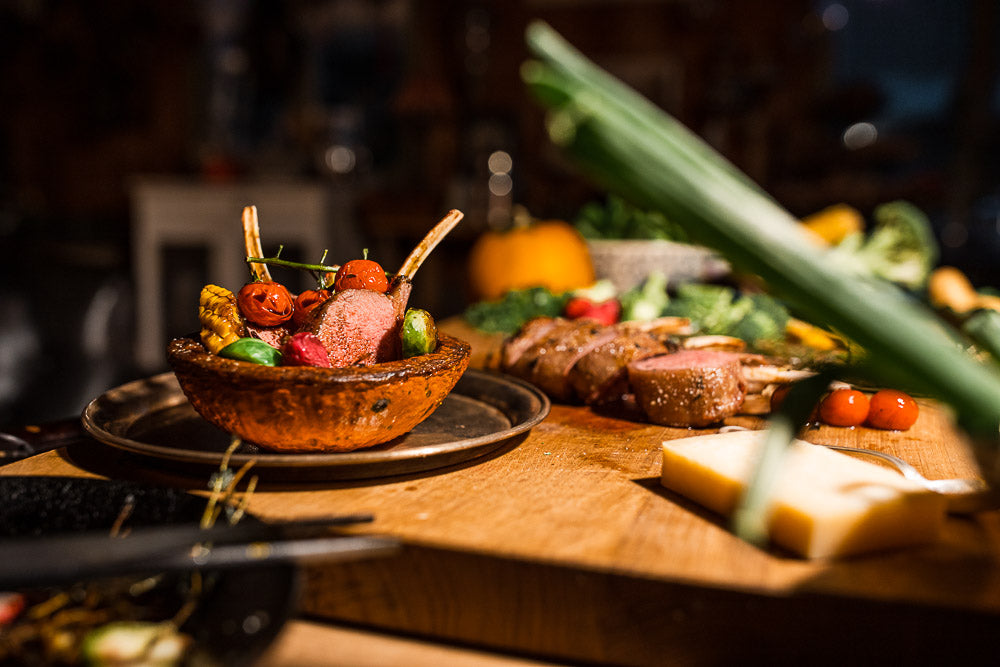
<point x="219" y="314"/>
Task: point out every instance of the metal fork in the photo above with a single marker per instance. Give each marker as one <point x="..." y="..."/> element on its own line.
<point x="965" y="496"/>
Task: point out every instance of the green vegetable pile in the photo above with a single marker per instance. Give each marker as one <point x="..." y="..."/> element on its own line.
<point x="715" y="309"/>
<point x="509" y="313"/>
<point x="712" y="309"/>
<point x="618" y="219"/>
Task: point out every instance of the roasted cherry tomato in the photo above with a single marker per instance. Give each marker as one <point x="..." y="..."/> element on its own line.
<point x="778" y="396"/>
<point x="844" y="407"/>
<point x="361" y="274"/>
<point x="266" y="303"/>
<point x="306" y="301"/>
<point x="892" y="410"/>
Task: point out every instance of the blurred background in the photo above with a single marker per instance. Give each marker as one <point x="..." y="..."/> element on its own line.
<point x="131" y="135"/>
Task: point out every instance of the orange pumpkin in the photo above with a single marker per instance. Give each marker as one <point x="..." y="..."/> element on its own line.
<point x="548" y="253"/>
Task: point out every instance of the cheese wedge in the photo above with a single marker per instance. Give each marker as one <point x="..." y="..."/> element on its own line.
<point x="824" y="504"/>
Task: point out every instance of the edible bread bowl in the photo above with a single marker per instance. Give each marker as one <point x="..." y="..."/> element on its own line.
<point x="306" y="409"/>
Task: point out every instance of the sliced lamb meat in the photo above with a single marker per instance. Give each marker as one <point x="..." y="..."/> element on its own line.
<point x="556" y="359"/>
<point x="532" y="331"/>
<point x="273" y="336"/>
<point x="600" y="376"/>
<point x="689" y="387"/>
<point x="358" y="327"/>
<point x="550" y="338"/>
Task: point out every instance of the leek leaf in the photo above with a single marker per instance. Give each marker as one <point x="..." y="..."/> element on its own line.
<point x="629" y="146"/>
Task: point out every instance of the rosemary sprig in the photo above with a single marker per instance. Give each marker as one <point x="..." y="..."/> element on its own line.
<point x="318" y="271"/>
<point x="277" y="261"/>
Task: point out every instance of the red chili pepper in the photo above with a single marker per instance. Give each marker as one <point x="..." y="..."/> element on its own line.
<point x="577" y="307"/>
<point x="304" y="349"/>
<point x="604" y="312"/>
<point x="607" y="312"/>
<point x="306" y="301"/>
<point x="361" y="274"/>
<point x="266" y="303"/>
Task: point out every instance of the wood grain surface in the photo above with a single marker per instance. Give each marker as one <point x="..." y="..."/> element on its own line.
<point x="564" y="545"/>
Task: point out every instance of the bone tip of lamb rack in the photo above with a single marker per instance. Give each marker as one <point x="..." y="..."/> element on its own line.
<point x="251" y="239"/>
<point x="428" y="243"/>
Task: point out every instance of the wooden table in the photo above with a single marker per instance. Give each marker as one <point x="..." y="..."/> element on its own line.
<point x="564" y="546"/>
<point x="305" y="643"/>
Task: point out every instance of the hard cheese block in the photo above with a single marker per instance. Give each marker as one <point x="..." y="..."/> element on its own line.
<point x="824" y="504"/>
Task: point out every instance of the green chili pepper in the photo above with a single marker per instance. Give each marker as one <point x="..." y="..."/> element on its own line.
<point x="419" y="333"/>
<point x="253" y="350"/>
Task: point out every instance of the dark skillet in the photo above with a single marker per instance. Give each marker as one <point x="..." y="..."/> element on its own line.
<point x="239" y="612"/>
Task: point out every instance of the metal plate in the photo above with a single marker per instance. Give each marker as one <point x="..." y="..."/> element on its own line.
<point x="151" y="417"/>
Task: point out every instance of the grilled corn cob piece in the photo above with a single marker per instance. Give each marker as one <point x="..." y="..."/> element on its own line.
<point x="219" y="314"/>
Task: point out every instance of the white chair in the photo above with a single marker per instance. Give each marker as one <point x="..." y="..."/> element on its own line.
<point x="180" y="213"/>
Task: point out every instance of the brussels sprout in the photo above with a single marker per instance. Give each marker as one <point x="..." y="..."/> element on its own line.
<point x="419" y="333"/>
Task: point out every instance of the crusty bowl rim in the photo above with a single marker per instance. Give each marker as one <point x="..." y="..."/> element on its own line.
<point x="189" y="351"/>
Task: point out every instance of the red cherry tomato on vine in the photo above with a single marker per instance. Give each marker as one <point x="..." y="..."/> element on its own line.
<point x="306" y="301"/>
<point x="266" y="303"/>
<point x="361" y="274"/>
<point x="892" y="410"/>
<point x="844" y="407"/>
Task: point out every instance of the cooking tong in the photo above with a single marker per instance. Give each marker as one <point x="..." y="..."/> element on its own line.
<point x="66" y="558"/>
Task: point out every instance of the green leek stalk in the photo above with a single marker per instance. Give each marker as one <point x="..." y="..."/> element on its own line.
<point x="632" y="148"/>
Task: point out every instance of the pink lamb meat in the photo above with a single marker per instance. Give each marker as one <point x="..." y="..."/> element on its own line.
<point x="358" y="327"/>
<point x="600" y="377"/>
<point x="551" y="371"/>
<point x="688" y="388"/>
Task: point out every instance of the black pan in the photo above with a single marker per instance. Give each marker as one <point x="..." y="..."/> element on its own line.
<point x="239" y="612"/>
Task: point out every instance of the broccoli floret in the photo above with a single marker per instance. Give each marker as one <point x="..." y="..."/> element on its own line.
<point x="765" y="320"/>
<point x="715" y="309"/>
<point x="705" y="305"/>
<point x="647" y="301"/>
<point x="509" y="313"/>
<point x="900" y="248"/>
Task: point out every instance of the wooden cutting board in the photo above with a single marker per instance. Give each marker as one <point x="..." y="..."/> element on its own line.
<point x="563" y="544"/>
